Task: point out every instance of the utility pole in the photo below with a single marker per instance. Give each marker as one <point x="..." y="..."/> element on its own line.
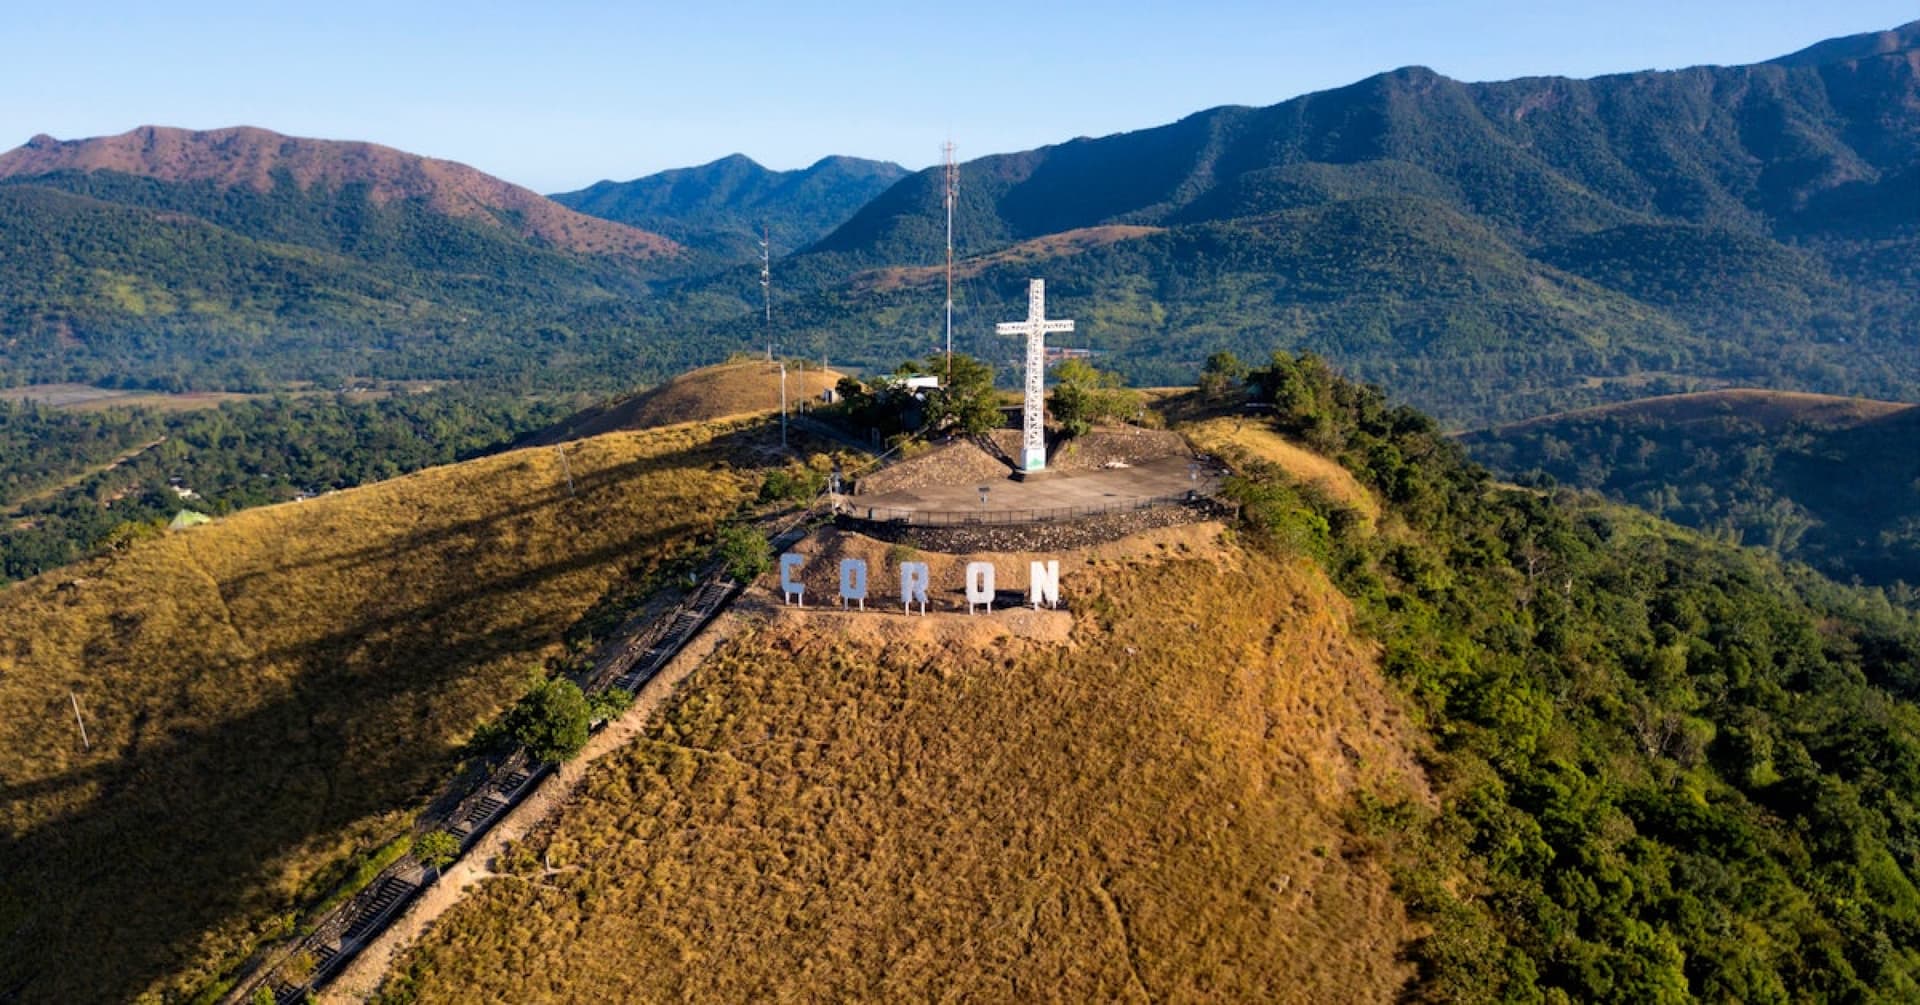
<point x="953" y="192"/>
<point x="783" y="404"/>
<point x="766" y="282"/>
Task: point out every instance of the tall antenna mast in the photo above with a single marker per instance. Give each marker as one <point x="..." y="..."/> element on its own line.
<point x="953" y="191"/>
<point x="766" y="283"/>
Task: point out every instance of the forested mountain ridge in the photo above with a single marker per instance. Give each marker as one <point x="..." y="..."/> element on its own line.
<point x="722" y="207"/>
<point x="1491" y="251"/>
<point x="261" y="160"/>
<point x="240" y="259"/>
<point x="1833" y="482"/>
<point x="1545" y="157"/>
<point x="1761" y="224"/>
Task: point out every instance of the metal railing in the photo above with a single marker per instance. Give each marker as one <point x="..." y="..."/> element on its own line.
<point x="339" y="935"/>
<point x="1006" y="517"/>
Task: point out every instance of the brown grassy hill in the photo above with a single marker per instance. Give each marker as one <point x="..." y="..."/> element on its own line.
<point x="871" y="808"/>
<point x="751" y="387"/>
<point x="250" y="157"/>
<point x="1238" y="440"/>
<point x="270" y="694"/>
<point x="1774" y="410"/>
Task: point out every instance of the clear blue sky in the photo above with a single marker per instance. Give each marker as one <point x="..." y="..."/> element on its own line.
<point x="558" y="95"/>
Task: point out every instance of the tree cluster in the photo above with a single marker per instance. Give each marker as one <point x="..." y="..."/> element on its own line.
<point x="1670" y="769"/>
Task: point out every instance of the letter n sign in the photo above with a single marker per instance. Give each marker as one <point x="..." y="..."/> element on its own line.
<point x="1043" y="583"/>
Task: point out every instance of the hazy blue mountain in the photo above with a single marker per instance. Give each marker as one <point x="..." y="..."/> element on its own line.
<point x="721" y="207"/>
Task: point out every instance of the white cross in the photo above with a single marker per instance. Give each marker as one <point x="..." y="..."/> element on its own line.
<point x="1033" y="453"/>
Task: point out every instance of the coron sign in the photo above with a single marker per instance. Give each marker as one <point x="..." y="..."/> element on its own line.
<point x="1043" y="583"/>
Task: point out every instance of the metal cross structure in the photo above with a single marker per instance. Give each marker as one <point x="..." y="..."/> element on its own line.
<point x="1033" y="444"/>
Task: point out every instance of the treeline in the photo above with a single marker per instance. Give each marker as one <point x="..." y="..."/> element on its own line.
<point x="1844" y="500"/>
<point x="1669" y="769"/>
<point x="242" y="454"/>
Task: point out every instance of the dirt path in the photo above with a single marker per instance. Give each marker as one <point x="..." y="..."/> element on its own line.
<point x="41" y="495"/>
<point x="362" y="977"/>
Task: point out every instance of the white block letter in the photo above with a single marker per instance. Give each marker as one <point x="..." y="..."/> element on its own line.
<point x="1043" y="582"/>
<point x="791" y="589"/>
<point x="853" y="581"/>
<point x="914" y="578"/>
<point x="979" y="585"/>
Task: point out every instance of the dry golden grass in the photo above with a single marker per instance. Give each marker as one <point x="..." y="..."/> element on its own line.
<point x="724" y="391"/>
<point x="1150" y="811"/>
<point x="1229" y="435"/>
<point x="271" y="693"/>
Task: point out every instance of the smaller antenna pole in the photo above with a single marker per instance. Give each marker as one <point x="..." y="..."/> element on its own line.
<point x="82" y="722"/>
<point x="783" y="405"/>
<point x="953" y="190"/>
<point x="766" y="282"/>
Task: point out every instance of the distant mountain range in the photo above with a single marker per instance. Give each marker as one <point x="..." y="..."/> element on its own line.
<point x="1527" y="241"/>
<point x="256" y="160"/>
<point x="722" y="207"/>
<point x="1488" y="251"/>
<point x="241" y="258"/>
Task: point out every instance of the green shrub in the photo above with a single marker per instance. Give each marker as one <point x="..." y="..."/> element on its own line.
<point x="745" y="551"/>
<point x="552" y="720"/>
<point x="436" y="849"/>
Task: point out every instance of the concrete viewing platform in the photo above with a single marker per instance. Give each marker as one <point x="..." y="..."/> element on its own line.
<point x="1063" y="495"/>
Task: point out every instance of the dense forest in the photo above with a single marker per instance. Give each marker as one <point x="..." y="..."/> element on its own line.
<point x="63" y="502"/>
<point x="1837" y="488"/>
<point x="127" y="281"/>
<point x="728" y="207"/>
<point x="1670" y="769"/>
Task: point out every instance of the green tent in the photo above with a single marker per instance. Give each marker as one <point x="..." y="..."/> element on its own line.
<point x="188" y="518"/>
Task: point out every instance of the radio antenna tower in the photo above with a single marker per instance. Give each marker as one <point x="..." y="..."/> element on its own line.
<point x="953" y="192"/>
<point x="766" y="283"/>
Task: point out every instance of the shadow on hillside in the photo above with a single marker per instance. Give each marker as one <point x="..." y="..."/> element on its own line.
<point x="177" y="834"/>
<point x="738" y="448"/>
